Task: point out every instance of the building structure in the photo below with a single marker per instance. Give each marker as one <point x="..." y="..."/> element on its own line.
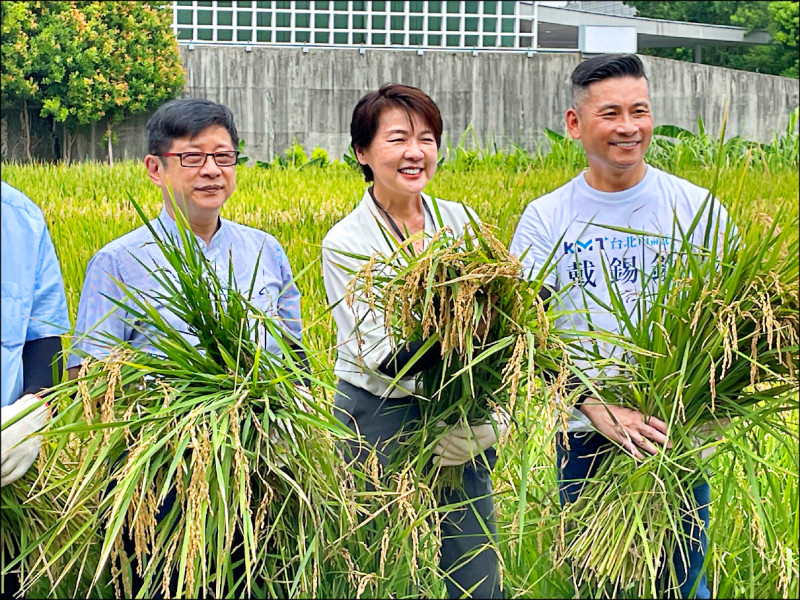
<point x="559" y="25"/>
<point x="487" y="73"/>
<point x="431" y="25"/>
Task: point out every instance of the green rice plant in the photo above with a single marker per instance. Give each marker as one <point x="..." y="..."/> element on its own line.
<point x="295" y="155"/>
<point x="784" y="149"/>
<point x="87" y="205"/>
<point x="392" y="549"/>
<point x="349" y="158"/>
<point x="753" y="549"/>
<point x="674" y="147"/>
<point x="242" y="158"/>
<point x="445" y="294"/>
<point x="461" y="157"/>
<point x="470" y="153"/>
<point x="319" y="157"/>
<point x="563" y="150"/>
<point x="691" y="148"/>
<point x="714" y="337"/>
<point x="528" y="509"/>
<point x="30" y="513"/>
<point x="520" y="159"/>
<point x="221" y="425"/>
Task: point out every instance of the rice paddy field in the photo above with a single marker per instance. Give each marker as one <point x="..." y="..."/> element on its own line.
<point x="755" y="522"/>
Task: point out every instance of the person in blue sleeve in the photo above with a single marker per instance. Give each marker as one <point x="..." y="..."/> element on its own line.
<point x="34" y="316"/>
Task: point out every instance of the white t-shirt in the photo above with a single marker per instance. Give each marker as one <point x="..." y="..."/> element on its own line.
<point x="575" y="219"/>
<point x="360" y="233"/>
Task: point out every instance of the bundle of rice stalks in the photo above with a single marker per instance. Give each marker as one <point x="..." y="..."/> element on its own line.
<point x="204" y="467"/>
<point x="714" y="339"/>
<point x="392" y="549"/>
<point x="467" y="293"/>
<point x="30" y="512"/>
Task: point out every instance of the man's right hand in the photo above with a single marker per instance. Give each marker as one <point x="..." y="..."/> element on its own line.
<point x="17" y="450"/>
<point x="627" y="427"/>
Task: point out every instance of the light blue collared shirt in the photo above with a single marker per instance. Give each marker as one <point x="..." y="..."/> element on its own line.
<point x="33" y="301"/>
<point x="131" y="259"/>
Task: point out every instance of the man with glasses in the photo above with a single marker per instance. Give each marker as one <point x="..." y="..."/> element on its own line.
<point x="192" y="157"/>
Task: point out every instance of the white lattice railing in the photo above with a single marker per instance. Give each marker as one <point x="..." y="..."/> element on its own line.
<point x="421" y="24"/>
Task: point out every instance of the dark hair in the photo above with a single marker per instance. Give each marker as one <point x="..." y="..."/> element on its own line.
<point x="367" y="114"/>
<point x="606" y="66"/>
<point x="186" y="116"/>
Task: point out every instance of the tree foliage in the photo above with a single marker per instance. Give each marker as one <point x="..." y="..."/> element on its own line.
<point x="79" y="62"/>
<point x="15" y="80"/>
<point x="780" y="19"/>
<point x="785" y="19"/>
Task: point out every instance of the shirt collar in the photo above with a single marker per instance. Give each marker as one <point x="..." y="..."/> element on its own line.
<point x="622" y="195"/>
<point x="170" y="226"/>
<point x="369" y="202"/>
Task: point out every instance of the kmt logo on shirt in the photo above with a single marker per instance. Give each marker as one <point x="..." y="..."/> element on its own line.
<point x="579" y="246"/>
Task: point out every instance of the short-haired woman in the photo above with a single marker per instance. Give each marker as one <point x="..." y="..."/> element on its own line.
<point x="395" y="133"/>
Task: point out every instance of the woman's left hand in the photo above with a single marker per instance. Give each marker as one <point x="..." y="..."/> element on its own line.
<point x="463" y="443"/>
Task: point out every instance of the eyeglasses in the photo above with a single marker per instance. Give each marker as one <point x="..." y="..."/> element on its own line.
<point x="227" y="158"/>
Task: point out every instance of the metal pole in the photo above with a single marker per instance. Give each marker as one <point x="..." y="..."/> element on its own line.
<point x="535" y="25"/>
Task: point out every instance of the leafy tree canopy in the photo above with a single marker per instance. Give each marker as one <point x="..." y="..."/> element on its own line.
<point x="79" y="62"/>
<point x="779" y="18"/>
<point x="15" y="80"/>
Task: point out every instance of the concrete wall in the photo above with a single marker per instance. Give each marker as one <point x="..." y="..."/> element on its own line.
<point x="279" y="94"/>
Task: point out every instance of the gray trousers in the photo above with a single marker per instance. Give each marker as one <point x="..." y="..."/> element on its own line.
<point x="466" y="555"/>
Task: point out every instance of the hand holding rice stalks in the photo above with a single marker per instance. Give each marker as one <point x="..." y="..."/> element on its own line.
<point x="30" y="515"/>
<point x="716" y="338"/>
<point x="466" y="293"/>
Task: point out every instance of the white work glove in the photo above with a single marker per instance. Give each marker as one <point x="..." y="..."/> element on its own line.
<point x="18" y="453"/>
<point x="462" y="443"/>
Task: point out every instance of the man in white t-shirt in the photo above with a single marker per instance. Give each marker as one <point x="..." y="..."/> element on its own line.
<point x="576" y="223"/>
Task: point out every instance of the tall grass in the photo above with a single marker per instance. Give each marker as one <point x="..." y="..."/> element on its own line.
<point x="86" y="206"/>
